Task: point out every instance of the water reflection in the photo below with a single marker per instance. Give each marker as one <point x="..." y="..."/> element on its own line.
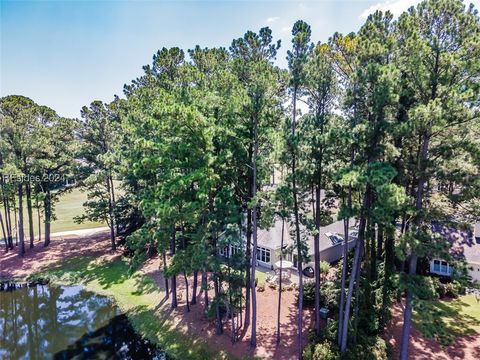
<point x="66" y="322"/>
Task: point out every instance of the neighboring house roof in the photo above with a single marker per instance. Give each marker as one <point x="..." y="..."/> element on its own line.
<point x="464" y="245"/>
<point x="325" y="241"/>
<point x="271" y="238"/>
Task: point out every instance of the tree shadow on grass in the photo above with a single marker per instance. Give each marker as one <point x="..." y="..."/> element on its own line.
<point x="87" y="269"/>
<point x="144" y="285"/>
<point x="444" y="321"/>
<point x="159" y="330"/>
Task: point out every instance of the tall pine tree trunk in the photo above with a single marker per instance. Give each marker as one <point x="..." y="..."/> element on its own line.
<point x="6" y="208"/>
<point x="186" y="291"/>
<point x="4" y="232"/>
<point x="39" y="222"/>
<point x="218" y="318"/>
<point x="248" y="248"/>
<point x="114" y="201"/>
<point x="346" y="227"/>
<point x="164" y="255"/>
<point x="30" y="213"/>
<point x="15" y="218"/>
<point x="205" y="290"/>
<point x="173" y="280"/>
<point x="316" y="249"/>
<point x="407" y="315"/>
<point x="388" y="272"/>
<point x="253" y="340"/>
<point x="297" y="231"/>
<point x="355" y="270"/>
<point x="195" y="285"/>
<point x="111" y="221"/>
<point x="280" y="282"/>
<point x="21" y="234"/>
<point x="48" y="216"/>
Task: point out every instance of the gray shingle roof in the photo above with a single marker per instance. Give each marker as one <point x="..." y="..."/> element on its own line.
<point x="271" y="238"/>
<point x="464" y="244"/>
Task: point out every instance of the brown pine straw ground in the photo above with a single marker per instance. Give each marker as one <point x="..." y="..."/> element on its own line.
<point x="96" y="244"/>
<point x="421" y="348"/>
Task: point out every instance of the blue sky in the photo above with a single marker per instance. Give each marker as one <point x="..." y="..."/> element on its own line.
<point x="65" y="54"/>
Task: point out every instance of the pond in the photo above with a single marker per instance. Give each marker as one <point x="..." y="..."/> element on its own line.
<point x="66" y="322"/>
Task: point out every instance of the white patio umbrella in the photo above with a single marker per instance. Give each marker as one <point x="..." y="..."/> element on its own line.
<point x="284" y="264"/>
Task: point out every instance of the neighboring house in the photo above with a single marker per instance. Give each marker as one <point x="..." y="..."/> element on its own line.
<point x="269" y="241"/>
<point x="465" y="245"/>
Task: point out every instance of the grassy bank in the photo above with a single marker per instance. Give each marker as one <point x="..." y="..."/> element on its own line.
<point x="140" y="298"/>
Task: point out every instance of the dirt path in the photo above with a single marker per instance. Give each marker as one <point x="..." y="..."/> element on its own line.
<point x="421" y="348"/>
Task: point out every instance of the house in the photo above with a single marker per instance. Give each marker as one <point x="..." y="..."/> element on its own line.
<point x="465" y="245"/>
<point x="269" y="244"/>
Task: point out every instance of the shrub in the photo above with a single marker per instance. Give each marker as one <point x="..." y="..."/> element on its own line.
<point x="328" y="295"/>
<point x="452" y="289"/>
<point x="324" y="267"/>
<point x="425" y="288"/>
<point x="309" y="293"/>
<point x="374" y="348"/>
<point x="439" y="287"/>
<point x="308" y="352"/>
<point x="325" y="351"/>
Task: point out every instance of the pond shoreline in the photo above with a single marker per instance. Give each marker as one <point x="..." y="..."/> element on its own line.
<point x="141" y="313"/>
<point x="88" y="261"/>
<point x="85" y="324"/>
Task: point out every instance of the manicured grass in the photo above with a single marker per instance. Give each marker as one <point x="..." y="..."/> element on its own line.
<point x="140" y="298"/>
<point x="446" y="320"/>
<point x="69" y="205"/>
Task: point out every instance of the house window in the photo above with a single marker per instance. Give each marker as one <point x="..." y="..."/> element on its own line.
<point x="442" y="267"/>
<point x="223" y="251"/>
<point x="263" y="254"/>
<point x="235" y="250"/>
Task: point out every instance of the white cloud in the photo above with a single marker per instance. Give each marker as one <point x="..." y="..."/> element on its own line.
<point x="396" y="7"/>
<point x="273" y="19"/>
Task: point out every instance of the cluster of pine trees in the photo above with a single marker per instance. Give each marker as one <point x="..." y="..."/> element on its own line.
<point x="37" y="150"/>
<point x="42" y="157"/>
<point x="213" y="144"/>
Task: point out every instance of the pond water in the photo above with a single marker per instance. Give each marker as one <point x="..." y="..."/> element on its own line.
<point x="66" y="322"/>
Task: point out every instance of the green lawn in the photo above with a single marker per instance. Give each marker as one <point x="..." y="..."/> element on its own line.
<point x="140" y="298"/>
<point x="69" y="206"/>
<point x="446" y="320"/>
